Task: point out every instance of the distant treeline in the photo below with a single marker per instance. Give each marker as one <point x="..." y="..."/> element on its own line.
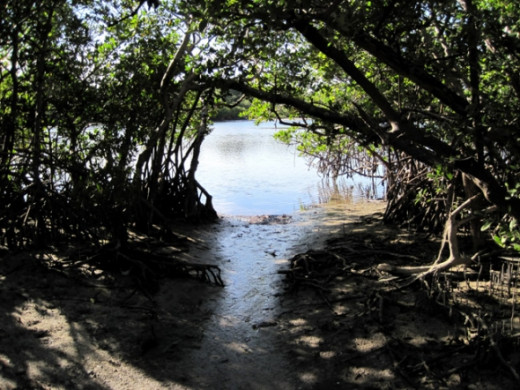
<point x="234" y="111"/>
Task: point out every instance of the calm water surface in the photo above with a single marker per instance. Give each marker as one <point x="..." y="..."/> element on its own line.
<point x="248" y="172"/>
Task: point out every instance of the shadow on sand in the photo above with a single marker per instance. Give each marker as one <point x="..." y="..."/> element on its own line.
<point x="76" y="328"/>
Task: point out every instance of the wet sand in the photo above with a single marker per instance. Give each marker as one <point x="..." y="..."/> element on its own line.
<point x="241" y="337"/>
<point x="76" y="327"/>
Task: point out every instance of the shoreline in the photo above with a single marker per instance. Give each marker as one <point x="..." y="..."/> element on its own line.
<point x="332" y="328"/>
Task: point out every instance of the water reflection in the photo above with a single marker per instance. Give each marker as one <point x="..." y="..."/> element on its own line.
<point x="250" y="173"/>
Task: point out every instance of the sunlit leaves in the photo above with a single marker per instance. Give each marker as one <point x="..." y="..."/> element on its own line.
<point x="107" y="60"/>
<point x="90" y="72"/>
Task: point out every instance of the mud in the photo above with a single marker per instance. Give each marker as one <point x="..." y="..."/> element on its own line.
<point x="242" y="346"/>
<point x="67" y="326"/>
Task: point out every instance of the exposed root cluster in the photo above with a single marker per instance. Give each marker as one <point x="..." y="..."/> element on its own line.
<point x="353" y="288"/>
<point x="147" y="268"/>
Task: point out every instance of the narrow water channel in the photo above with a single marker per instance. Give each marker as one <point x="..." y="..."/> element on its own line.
<point x="272" y="207"/>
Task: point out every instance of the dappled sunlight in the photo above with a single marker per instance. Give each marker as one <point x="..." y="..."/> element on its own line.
<point x="368" y="344"/>
<point x="335" y="331"/>
<point x="341" y="309"/>
<point x="424" y="330"/>
<point x="308" y="377"/>
<point x="298" y="322"/>
<point x="43" y="319"/>
<point x="70" y="348"/>
<point x="309" y="341"/>
<point x="328" y="354"/>
<point x="65" y="334"/>
<point x="145" y="244"/>
<point x="369" y="375"/>
<point x="347" y="322"/>
<point x="58" y="344"/>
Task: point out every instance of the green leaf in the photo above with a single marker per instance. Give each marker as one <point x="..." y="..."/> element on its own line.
<point x="498" y="240"/>
<point x="485" y="226"/>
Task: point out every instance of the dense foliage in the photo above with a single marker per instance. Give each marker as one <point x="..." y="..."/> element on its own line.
<point x="101" y="126"/>
<point x="105" y="103"/>
<point x="429" y="87"/>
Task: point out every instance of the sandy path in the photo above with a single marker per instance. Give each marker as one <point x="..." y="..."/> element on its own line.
<point x="58" y="332"/>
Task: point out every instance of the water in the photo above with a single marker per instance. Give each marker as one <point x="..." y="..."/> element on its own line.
<point x="248" y="172"/>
